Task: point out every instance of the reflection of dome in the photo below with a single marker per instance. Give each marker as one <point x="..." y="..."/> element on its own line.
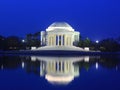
<point x="60" y="25"/>
<point x="59" y="79"/>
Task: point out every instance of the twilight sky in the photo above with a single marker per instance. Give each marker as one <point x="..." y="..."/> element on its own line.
<point x="96" y="19"/>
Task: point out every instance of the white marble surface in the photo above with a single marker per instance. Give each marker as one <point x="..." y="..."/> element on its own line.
<point x="68" y="48"/>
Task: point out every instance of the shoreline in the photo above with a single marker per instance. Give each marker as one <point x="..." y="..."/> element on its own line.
<point x="55" y="53"/>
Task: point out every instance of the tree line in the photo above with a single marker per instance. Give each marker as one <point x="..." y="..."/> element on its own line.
<point x="17" y="43"/>
<point x="105" y="45"/>
<point x="33" y="40"/>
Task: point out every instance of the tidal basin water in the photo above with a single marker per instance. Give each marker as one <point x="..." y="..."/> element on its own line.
<point x="60" y="73"/>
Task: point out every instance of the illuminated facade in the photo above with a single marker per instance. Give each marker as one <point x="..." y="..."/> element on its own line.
<point x="59" y="34"/>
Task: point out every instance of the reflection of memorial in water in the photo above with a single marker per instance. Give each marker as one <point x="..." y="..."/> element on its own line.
<point x="59" y="70"/>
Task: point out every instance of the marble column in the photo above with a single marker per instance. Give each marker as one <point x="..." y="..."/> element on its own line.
<point x="48" y="41"/>
<point x="70" y="41"/>
<point x="65" y="40"/>
<point x="61" y="40"/>
<point x="54" y="40"/>
<point x="51" y="40"/>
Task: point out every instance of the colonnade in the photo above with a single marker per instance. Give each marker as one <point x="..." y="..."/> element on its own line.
<point x="59" y="40"/>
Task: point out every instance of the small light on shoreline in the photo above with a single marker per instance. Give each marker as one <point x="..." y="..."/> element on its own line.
<point x="97" y="41"/>
<point x="23" y="40"/>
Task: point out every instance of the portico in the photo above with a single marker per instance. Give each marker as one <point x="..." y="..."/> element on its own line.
<point x="59" y="40"/>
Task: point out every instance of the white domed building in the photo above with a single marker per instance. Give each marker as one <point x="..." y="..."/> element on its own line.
<point x="59" y="34"/>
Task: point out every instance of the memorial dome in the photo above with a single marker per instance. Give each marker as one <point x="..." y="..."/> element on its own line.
<point x="60" y="25"/>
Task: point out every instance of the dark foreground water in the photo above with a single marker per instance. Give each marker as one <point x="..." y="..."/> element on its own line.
<point x="60" y="73"/>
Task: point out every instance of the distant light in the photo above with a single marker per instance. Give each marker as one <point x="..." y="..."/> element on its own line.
<point x="97" y="41"/>
<point x="96" y="65"/>
<point x="23" y="65"/>
<point x="23" y="40"/>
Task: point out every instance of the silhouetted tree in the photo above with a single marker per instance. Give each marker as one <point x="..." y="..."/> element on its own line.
<point x="2" y="43"/>
<point x="118" y="39"/>
<point x="33" y="40"/>
<point x="84" y="43"/>
<point x="13" y="43"/>
<point x="80" y="43"/>
<point x="109" y="45"/>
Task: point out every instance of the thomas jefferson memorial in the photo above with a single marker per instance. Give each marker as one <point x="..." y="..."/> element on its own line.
<point x="59" y="36"/>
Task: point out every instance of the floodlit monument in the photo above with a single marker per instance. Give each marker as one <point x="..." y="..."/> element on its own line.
<point x="59" y="36"/>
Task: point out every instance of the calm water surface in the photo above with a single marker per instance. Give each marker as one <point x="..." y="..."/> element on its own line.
<point x="60" y="73"/>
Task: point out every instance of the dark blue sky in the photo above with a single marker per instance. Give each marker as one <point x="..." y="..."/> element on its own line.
<point x="96" y="19"/>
